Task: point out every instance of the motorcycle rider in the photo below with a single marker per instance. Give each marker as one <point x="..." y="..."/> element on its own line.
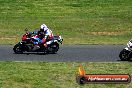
<point x="45" y="34"/>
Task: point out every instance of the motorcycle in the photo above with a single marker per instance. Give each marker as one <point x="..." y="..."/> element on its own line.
<point x="27" y="45"/>
<point x="126" y="54"/>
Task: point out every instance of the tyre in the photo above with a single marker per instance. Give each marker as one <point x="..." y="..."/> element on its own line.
<point x="18" y="49"/>
<point x="54" y="48"/>
<point x="124" y="55"/>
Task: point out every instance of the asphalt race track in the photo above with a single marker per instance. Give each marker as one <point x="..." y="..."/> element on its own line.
<point x="98" y="53"/>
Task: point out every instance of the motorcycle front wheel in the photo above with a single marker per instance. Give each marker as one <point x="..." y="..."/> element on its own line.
<point x="54" y="48"/>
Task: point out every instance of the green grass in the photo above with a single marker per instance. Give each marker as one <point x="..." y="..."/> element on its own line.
<point x="75" y="20"/>
<point x="57" y="74"/>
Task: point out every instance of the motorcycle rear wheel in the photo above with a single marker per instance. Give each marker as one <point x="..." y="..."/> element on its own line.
<point x="124" y="55"/>
<point x="18" y="49"/>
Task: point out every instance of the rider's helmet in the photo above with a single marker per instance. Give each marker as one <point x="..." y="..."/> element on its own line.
<point x="43" y="28"/>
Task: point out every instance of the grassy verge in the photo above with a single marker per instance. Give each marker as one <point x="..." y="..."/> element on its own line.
<point x="78" y="21"/>
<point x="56" y="74"/>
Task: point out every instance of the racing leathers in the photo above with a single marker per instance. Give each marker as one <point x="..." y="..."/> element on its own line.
<point x="48" y="36"/>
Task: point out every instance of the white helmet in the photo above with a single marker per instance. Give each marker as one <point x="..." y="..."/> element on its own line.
<point x="43" y="27"/>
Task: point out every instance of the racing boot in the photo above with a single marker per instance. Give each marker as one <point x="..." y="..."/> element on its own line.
<point x="36" y="47"/>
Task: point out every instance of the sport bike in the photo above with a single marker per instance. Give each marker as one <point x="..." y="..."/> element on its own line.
<point x="27" y="45"/>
